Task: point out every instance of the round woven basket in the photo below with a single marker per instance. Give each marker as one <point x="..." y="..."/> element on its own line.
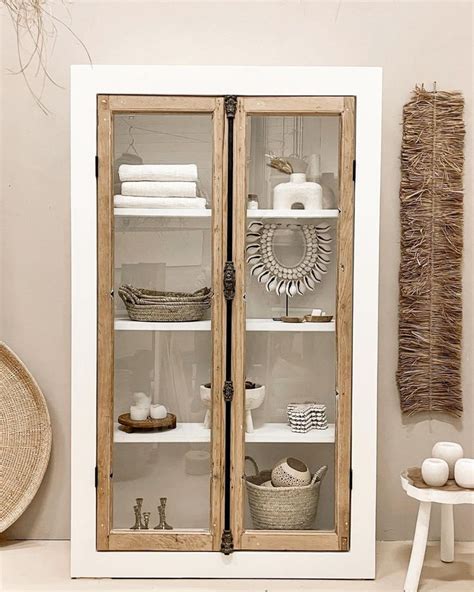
<point x="282" y="508"/>
<point x="25" y="437"/>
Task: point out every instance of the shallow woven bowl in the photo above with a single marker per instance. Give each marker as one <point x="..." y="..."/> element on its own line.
<point x="25" y="437"/>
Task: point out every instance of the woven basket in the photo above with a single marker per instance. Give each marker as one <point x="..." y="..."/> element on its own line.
<point x="282" y="508"/>
<point x="150" y="305"/>
<point x="25" y="437"/>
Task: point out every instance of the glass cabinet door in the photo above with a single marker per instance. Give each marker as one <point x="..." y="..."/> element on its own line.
<point x="293" y="227"/>
<point x="160" y="318"/>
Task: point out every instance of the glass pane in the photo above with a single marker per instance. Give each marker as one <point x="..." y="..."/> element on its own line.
<point x="291" y="249"/>
<point x="162" y="342"/>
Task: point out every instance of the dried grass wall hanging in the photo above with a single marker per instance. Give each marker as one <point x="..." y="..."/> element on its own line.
<point x="431" y="212"/>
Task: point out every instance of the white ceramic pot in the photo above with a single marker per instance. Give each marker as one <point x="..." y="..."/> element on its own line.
<point x="450" y="452"/>
<point x="464" y="472"/>
<point x="290" y="472"/>
<point x="435" y="472"/>
<point x="253" y="399"/>
<point x="158" y="411"/>
<point x="298" y="191"/>
<point x="138" y="413"/>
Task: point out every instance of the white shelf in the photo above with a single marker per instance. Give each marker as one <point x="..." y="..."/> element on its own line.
<point x="184" y="432"/>
<point x="292" y="214"/>
<point x="264" y="325"/>
<point x="206" y="213"/>
<point x="163" y="212"/>
<point x="271" y="325"/>
<point x="125" y="324"/>
<point x="281" y="432"/>
<point x="196" y="432"/>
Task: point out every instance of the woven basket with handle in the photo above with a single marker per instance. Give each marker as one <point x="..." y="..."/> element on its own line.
<point x="151" y="305"/>
<point x="282" y="508"/>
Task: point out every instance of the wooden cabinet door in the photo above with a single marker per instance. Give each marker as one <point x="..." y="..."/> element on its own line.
<point x="160" y="490"/>
<point x="293" y="255"/>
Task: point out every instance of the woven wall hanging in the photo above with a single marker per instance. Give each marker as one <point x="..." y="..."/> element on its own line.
<point x="431" y="213"/>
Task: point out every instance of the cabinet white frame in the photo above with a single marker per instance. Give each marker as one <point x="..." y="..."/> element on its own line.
<point x="365" y="84"/>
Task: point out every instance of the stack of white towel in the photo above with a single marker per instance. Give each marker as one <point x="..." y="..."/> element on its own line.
<point x="159" y="186"/>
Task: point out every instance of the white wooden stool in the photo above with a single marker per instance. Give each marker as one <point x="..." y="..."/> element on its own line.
<point x="447" y="496"/>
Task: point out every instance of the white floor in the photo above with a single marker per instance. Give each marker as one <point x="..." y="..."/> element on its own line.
<point x="44" y="565"/>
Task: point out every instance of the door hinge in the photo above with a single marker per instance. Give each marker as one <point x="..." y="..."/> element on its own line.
<point x="228" y="391"/>
<point x="227" y="542"/>
<point x="96" y="477"/>
<point x="354" y="170"/>
<point x="350" y="479"/>
<point x="229" y="280"/>
<point x="230" y="104"/>
<point x="96" y="167"/>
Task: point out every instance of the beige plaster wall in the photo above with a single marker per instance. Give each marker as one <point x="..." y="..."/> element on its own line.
<point x="412" y="41"/>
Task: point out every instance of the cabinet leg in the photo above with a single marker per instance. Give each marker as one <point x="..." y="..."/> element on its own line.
<point x="419" y="547"/>
<point x="447" y="533"/>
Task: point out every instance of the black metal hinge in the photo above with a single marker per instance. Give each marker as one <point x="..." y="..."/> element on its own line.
<point x="354" y="170"/>
<point x="96" y="477"/>
<point x="229" y="280"/>
<point x="230" y="104"/>
<point x="96" y="167"/>
<point x="227" y="542"/>
<point x="228" y="391"/>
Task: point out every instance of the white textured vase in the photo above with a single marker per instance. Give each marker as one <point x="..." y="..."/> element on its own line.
<point x="451" y="452"/>
<point x="298" y="192"/>
<point x="464" y="472"/>
<point x="435" y="472"/>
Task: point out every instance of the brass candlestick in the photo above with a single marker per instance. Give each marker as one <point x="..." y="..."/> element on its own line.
<point x="138" y="514"/>
<point x="163" y="525"/>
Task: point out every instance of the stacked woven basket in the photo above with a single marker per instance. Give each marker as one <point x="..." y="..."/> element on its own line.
<point x="151" y="305"/>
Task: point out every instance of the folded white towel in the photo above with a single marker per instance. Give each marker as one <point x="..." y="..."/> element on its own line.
<point x="159" y="188"/>
<point x="158" y="172"/>
<point x="128" y="201"/>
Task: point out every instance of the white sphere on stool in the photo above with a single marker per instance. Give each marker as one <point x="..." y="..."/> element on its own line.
<point x="464" y="473"/>
<point x="450" y="452"/>
<point x="435" y="472"/>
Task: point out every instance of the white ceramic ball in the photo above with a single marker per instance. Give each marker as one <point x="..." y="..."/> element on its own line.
<point x="451" y="452"/>
<point x="464" y="472"/>
<point x="138" y="413"/>
<point x="435" y="472"/>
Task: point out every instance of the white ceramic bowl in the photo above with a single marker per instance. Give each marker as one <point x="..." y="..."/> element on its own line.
<point x="451" y="452"/>
<point x="290" y="472"/>
<point x="464" y="472"/>
<point x="435" y="472"/>
<point x="253" y="399"/>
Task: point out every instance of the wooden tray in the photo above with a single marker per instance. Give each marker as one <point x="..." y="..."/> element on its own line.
<point x="414" y="476"/>
<point x="130" y="425"/>
<point x="318" y="319"/>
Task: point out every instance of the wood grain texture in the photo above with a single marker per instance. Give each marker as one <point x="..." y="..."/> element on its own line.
<point x="217" y="326"/>
<point x="105" y="324"/>
<point x="294" y="105"/>
<point x="288" y="540"/>
<point x="157" y="540"/>
<point x="238" y="322"/>
<point x="161" y="104"/>
<point x="345" y="247"/>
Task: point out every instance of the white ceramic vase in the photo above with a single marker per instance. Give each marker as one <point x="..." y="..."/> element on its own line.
<point x="450" y="452"/>
<point x="290" y="472"/>
<point x="253" y="399"/>
<point x="435" y="472"/>
<point x="464" y="472"/>
<point x="298" y="191"/>
<point x="158" y="411"/>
